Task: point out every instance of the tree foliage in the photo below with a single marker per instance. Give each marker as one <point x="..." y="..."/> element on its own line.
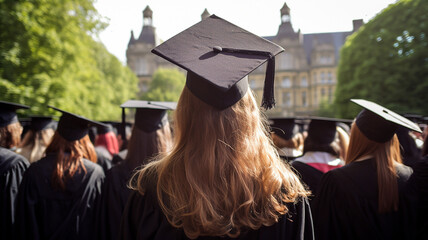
<point x="386" y="61"/>
<point x="48" y="56"/>
<point x="166" y="85"/>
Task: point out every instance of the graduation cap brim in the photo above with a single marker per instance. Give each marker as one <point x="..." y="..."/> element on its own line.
<point x="218" y="55"/>
<point x="379" y="123"/>
<point x="150" y="115"/>
<point x="323" y="129"/>
<point x="39" y="123"/>
<point x="8" y="112"/>
<point x="73" y="127"/>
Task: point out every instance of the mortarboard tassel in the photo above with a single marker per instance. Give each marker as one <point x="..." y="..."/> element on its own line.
<point x="268" y="100"/>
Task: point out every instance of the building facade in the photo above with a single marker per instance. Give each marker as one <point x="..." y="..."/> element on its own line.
<point x="305" y="75"/>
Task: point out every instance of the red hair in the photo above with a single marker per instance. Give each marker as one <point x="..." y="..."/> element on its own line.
<point x="386" y="156"/>
<point x="109" y="141"/>
<point x="69" y="157"/>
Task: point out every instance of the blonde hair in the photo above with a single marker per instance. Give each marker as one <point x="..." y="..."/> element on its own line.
<point x="296" y="142"/>
<point x="343" y="142"/>
<point x="386" y="156"/>
<point x="34" y="144"/>
<point x="223" y="174"/>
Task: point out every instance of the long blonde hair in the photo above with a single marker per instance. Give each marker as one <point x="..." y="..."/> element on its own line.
<point x="386" y="156"/>
<point x="34" y="144"/>
<point x="223" y="174"/>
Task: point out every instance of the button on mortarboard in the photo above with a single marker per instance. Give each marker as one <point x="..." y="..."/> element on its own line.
<point x="218" y="56"/>
<point x="8" y="112"/>
<point x="378" y="123"/>
<point x="150" y="115"/>
<point x="73" y="127"/>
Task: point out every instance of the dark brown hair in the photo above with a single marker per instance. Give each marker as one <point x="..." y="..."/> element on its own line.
<point x="143" y="146"/>
<point x="69" y="157"/>
<point x="10" y="135"/>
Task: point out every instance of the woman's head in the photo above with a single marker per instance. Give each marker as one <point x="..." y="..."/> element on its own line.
<point x="223" y="173"/>
<point x="143" y="146"/>
<point x="69" y="157"/>
<point x="109" y="141"/>
<point x="296" y="142"/>
<point x="10" y="135"/>
<point x="34" y="143"/>
<point x="322" y="137"/>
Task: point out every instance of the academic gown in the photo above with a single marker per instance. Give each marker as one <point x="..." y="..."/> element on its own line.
<point x="114" y="197"/>
<point x="12" y="168"/>
<point x="144" y="219"/>
<point x="45" y="212"/>
<point x="346" y="205"/>
<point x="311" y="167"/>
<point x="104" y="158"/>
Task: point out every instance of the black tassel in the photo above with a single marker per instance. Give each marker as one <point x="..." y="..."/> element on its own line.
<point x="268" y="100"/>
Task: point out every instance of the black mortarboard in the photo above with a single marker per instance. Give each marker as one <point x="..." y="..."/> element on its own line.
<point x="39" y="123"/>
<point x="8" y="112"/>
<point x="217" y="56"/>
<point x="286" y="128"/>
<point x="150" y="115"/>
<point x="322" y="130"/>
<point x="104" y="129"/>
<point x="379" y="124"/>
<point x="73" y="127"/>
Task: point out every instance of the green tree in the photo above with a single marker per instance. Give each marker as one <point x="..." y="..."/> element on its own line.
<point x="386" y="61"/>
<point x="48" y="56"/>
<point x="166" y="85"/>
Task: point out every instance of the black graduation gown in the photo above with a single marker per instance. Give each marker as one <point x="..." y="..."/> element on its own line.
<point x="12" y="168"/>
<point x="308" y="174"/>
<point x="103" y="158"/>
<point x="346" y="205"/>
<point x="114" y="197"/>
<point x="44" y="212"/>
<point x="144" y="219"/>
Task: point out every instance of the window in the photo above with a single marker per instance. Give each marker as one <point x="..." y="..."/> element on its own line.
<point x="329" y="77"/>
<point x="141" y="67"/>
<point x="322" y="77"/>
<point x="322" y="92"/>
<point x="303" y="82"/>
<point x="286" y="82"/>
<point x="285" y="18"/>
<point x="330" y="94"/>
<point x="286" y="61"/>
<point x="286" y="99"/>
<point x="304" y="103"/>
<point x="253" y="84"/>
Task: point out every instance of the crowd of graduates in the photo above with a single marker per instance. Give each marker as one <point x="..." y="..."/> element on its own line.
<point x="219" y="169"/>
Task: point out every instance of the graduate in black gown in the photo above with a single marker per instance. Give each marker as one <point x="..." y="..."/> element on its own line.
<point x="287" y="138"/>
<point x="151" y="135"/>
<point x="38" y="136"/>
<point x="223" y="177"/>
<point x="321" y="152"/>
<point x="12" y="165"/>
<point x="374" y="196"/>
<point x="58" y="194"/>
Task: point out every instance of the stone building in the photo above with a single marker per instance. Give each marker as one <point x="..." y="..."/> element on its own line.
<point x="305" y="73"/>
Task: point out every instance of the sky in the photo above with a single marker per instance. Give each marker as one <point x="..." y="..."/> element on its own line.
<point x="259" y="17"/>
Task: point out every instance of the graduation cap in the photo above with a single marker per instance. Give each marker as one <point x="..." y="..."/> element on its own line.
<point x="218" y="56"/>
<point x="150" y="115"/>
<point x="105" y="129"/>
<point x="379" y="124"/>
<point x="39" y="123"/>
<point x="285" y="127"/>
<point x="322" y="130"/>
<point x="8" y="112"/>
<point x="73" y="127"/>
